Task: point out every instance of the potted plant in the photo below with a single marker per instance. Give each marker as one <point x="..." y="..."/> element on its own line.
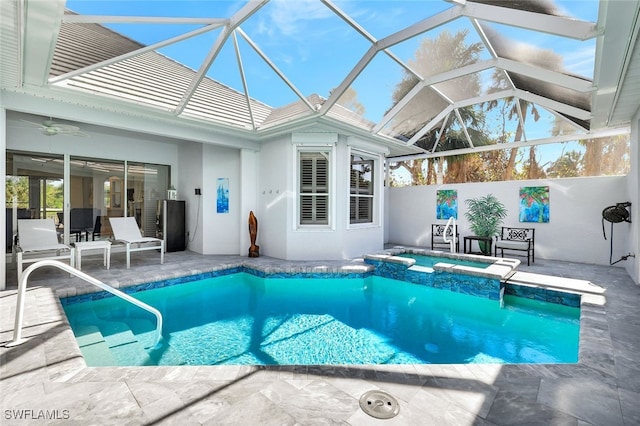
<point x="485" y="214"/>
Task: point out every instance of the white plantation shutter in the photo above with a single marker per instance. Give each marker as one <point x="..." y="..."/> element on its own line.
<point x="314" y="188"/>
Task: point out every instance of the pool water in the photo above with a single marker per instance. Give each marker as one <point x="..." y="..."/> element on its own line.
<point x="247" y="320"/>
<point x="429" y="261"/>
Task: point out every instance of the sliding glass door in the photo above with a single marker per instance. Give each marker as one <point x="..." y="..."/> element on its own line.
<point x="97" y="189"/>
<point x="34" y="190"/>
<point x="96" y="193"/>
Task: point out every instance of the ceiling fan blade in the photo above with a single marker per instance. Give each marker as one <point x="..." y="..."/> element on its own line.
<point x="34" y="124"/>
<point x="65" y="127"/>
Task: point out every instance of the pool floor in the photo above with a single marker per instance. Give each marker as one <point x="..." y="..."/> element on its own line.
<point x="241" y="319"/>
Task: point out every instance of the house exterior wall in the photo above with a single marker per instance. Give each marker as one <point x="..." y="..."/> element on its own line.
<point x="3" y="167"/>
<point x="201" y="165"/>
<point x="190" y="159"/>
<point x="220" y="231"/>
<point x="264" y="181"/>
<point x="278" y="233"/>
<point x="274" y="197"/>
<point x="115" y="145"/>
<point x="573" y="233"/>
<point x="633" y="190"/>
<point x="249" y="172"/>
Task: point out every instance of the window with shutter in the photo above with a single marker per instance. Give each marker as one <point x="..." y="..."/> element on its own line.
<point x="361" y="189"/>
<point x="314" y="188"/>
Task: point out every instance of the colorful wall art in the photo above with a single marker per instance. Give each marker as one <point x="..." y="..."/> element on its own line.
<point x="534" y="204"/>
<point x="222" y="197"/>
<point x="446" y="204"/>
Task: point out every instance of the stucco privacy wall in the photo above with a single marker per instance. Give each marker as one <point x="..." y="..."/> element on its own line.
<point x="574" y="231"/>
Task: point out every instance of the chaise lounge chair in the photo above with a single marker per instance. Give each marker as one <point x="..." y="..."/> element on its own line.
<point x="125" y="230"/>
<point x="38" y="240"/>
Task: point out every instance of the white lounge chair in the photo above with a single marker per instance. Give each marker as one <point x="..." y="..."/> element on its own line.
<point x="125" y="230"/>
<point x="38" y="240"/>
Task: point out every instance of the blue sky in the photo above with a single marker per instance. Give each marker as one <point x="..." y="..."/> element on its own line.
<point x="315" y="48"/>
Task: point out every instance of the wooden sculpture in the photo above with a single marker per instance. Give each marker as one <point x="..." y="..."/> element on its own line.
<point x="254" y="250"/>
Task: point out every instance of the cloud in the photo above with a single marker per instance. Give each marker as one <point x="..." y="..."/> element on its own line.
<point x="294" y="18"/>
<point x="581" y="61"/>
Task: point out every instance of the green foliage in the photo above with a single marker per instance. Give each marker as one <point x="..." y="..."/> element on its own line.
<point x="485" y="214"/>
<point x="18" y="187"/>
<point x="568" y="165"/>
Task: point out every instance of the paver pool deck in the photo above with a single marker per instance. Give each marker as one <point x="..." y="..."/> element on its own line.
<point x="47" y="376"/>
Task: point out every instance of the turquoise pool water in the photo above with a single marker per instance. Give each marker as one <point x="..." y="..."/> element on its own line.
<point x="429" y="261"/>
<point x="244" y="319"/>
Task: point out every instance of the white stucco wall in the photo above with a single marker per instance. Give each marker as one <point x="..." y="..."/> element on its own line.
<point x="190" y="177"/>
<point x="264" y="181"/>
<point x="111" y="144"/>
<point x="633" y="264"/>
<point x="220" y="231"/>
<point x="249" y="172"/>
<point x="574" y="231"/>
<point x="278" y="235"/>
<point x="3" y="219"/>
<point x="274" y="198"/>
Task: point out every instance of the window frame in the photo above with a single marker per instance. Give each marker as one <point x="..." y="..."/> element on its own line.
<point x="375" y="188"/>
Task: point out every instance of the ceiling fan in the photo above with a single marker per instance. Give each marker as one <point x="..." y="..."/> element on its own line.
<point x="51" y="128"/>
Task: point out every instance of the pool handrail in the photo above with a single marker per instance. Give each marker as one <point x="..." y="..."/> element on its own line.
<point x="22" y="288"/>
<point x="452" y="242"/>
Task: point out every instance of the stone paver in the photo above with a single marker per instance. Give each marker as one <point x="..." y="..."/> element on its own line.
<point x="46" y="376"/>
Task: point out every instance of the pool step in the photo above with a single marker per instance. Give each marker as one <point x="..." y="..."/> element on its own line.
<point x="93" y="347"/>
<point x="123" y="344"/>
<point x="145" y="331"/>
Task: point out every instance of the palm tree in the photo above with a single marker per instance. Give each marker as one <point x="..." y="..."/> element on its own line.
<point x="446" y="52"/>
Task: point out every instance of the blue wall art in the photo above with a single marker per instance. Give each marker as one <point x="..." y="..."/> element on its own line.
<point x="222" y="197"/>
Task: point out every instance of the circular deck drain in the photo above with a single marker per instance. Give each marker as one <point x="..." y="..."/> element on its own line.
<point x="379" y="404"/>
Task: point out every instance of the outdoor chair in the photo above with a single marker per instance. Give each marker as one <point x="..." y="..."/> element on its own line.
<point x="81" y="222"/>
<point x="437" y="237"/>
<point x="125" y="230"/>
<point x="38" y="240"/>
<point x="519" y="239"/>
<point x="10" y="234"/>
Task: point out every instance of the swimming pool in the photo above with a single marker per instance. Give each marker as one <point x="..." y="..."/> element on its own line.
<point x="241" y="319"/>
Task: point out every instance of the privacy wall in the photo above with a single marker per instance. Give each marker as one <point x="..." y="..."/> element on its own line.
<point x="573" y="233"/>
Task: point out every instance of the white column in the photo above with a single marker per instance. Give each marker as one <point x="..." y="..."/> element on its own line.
<point x="248" y="196"/>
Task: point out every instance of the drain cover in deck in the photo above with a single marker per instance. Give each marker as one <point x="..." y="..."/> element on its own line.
<point x="379" y="404"/>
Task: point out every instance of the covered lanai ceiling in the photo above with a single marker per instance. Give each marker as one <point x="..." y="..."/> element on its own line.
<point x="420" y="77"/>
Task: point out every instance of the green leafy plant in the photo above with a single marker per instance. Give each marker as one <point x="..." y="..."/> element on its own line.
<point x="485" y="214"/>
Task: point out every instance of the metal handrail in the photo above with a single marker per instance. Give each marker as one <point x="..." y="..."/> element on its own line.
<point x="452" y="242"/>
<point x="22" y="288"/>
